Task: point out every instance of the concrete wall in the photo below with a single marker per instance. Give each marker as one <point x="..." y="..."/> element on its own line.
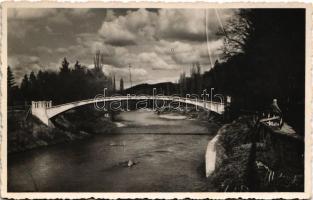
<point x="211" y="156"/>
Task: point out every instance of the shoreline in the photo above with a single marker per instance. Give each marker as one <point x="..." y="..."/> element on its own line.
<point x="70" y="127"/>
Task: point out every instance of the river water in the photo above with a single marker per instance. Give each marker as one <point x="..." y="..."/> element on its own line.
<point x="168" y="153"/>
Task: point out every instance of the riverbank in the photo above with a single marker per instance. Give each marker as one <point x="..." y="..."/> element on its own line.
<point x="30" y="133"/>
<point x="261" y="159"/>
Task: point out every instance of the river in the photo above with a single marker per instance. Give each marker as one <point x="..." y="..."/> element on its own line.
<point x="168" y="153"/>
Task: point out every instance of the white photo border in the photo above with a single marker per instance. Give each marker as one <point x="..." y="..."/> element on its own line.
<point x="153" y="195"/>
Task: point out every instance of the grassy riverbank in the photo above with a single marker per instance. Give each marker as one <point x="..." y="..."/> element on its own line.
<point x="261" y="160"/>
<point x="30" y="133"/>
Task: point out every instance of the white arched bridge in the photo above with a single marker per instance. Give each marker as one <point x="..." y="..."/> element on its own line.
<point x="44" y="110"/>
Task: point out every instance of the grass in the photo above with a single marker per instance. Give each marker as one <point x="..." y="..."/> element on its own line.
<point x="254" y="163"/>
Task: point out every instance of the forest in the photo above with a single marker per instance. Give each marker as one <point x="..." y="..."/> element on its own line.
<point x="264" y="58"/>
<point x="69" y="84"/>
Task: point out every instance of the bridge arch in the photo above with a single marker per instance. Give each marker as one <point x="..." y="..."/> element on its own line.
<point x="44" y="109"/>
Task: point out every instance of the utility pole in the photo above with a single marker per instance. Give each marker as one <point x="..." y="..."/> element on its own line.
<point x="114" y="84"/>
<point x="130" y="75"/>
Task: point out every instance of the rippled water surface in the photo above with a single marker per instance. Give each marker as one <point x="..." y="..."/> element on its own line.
<point x="168" y="156"/>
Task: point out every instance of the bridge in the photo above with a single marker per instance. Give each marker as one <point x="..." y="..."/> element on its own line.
<point x="44" y="110"/>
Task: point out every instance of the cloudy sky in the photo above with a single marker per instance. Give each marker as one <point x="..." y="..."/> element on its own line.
<point x="158" y="43"/>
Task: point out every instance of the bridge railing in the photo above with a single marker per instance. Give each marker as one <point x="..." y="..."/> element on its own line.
<point x="181" y="99"/>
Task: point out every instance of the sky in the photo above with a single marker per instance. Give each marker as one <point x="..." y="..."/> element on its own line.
<point x="159" y="44"/>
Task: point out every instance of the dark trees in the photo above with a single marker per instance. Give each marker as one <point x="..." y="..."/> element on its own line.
<point x="121" y="86"/>
<point x="265" y="59"/>
<point x="270" y="54"/>
<point x="67" y="85"/>
<point x="65" y="67"/>
<point x="10" y="79"/>
<point x="25" y="88"/>
<point x="12" y="88"/>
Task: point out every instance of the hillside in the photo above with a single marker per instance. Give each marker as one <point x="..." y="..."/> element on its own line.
<point x="165" y="88"/>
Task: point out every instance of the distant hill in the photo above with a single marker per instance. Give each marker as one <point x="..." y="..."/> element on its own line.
<point x="165" y="88"/>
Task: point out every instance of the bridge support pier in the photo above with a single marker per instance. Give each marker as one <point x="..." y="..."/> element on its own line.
<point x="39" y="109"/>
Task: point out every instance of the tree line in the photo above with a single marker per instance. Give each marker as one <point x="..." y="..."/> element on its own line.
<point x="66" y="85"/>
<point x="263" y="59"/>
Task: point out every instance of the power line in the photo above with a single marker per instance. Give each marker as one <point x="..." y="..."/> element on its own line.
<point x="220" y="22"/>
<point x="207" y="37"/>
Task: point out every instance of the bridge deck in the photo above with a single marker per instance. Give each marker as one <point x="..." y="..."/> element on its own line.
<point x="181" y="99"/>
<point x="45" y="113"/>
